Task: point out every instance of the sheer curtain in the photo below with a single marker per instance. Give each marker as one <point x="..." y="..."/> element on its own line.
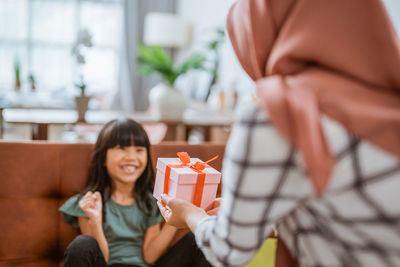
<point x="132" y="93"/>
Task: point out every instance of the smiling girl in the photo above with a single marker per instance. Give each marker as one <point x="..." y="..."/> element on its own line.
<point x="116" y="213"/>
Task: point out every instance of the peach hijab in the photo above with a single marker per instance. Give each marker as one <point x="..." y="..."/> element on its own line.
<point x="312" y="57"/>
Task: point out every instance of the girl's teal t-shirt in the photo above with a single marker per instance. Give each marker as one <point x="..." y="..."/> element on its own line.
<point x="124" y="228"/>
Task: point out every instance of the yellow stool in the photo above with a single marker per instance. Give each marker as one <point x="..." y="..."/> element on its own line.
<point x="265" y="256"/>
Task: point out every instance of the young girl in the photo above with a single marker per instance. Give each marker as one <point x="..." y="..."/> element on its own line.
<point x="116" y="212"/>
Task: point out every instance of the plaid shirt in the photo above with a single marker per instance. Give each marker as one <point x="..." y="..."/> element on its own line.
<point x="355" y="223"/>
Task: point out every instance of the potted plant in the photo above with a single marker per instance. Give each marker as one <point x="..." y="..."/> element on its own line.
<point x="166" y="101"/>
<point x="17" y="73"/>
<point x="82" y="100"/>
<point x="83" y="42"/>
<point x="32" y="81"/>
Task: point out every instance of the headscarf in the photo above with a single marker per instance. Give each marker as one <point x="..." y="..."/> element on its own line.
<point x="319" y="57"/>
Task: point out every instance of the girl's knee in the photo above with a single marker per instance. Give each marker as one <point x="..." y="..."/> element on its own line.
<point x="82" y="244"/>
<point x="83" y="251"/>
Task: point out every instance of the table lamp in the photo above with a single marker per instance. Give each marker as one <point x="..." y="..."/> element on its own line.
<point x="166" y="30"/>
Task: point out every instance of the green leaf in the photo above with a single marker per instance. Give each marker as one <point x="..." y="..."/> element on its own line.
<point x="154" y="59"/>
<point x="192" y="63"/>
<point x="154" y="56"/>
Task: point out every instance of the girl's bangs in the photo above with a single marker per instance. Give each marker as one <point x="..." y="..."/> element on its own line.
<point x="127" y="134"/>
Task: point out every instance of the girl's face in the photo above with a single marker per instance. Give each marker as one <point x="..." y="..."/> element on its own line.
<point x="126" y="164"/>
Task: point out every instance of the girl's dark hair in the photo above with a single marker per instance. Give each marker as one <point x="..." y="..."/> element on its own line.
<point x="121" y="132"/>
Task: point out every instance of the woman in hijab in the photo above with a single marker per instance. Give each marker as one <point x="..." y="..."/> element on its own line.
<point x="318" y="154"/>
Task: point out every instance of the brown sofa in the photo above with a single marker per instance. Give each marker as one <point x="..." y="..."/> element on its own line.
<point x="35" y="179"/>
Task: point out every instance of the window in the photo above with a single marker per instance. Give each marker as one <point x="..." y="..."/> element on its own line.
<point x="393" y="7"/>
<point x="41" y="34"/>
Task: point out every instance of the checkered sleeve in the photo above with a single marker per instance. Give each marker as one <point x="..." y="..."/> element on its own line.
<point x="263" y="179"/>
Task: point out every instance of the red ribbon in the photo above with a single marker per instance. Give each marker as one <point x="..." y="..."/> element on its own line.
<point x="197" y="167"/>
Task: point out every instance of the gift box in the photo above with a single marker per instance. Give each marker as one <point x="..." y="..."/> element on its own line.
<point x="187" y="178"/>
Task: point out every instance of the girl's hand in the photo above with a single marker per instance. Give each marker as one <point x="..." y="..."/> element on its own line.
<point x="214" y="207"/>
<point x="180" y="213"/>
<point x="91" y="204"/>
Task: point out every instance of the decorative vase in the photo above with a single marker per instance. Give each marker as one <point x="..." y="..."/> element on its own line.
<point x="81" y="104"/>
<point x="17" y="86"/>
<point x="166" y="102"/>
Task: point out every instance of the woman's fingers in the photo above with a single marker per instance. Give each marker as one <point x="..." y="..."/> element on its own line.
<point x="178" y="212"/>
<point x="213" y="211"/>
<point x="165" y="212"/>
<point x="171" y="210"/>
<point x="165" y="198"/>
<point x="217" y="202"/>
<point x="213" y="208"/>
<point x="164" y="208"/>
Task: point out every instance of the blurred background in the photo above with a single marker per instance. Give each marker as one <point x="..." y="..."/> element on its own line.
<point x="69" y="66"/>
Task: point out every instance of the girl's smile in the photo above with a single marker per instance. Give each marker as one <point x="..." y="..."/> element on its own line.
<point x="129" y="169"/>
<point x="126" y="164"/>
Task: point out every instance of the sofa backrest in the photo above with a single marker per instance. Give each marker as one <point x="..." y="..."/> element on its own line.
<point x="36" y="179"/>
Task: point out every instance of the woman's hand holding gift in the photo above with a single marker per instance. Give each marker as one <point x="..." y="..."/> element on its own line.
<point x="214" y="207"/>
<point x="180" y="213"/>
